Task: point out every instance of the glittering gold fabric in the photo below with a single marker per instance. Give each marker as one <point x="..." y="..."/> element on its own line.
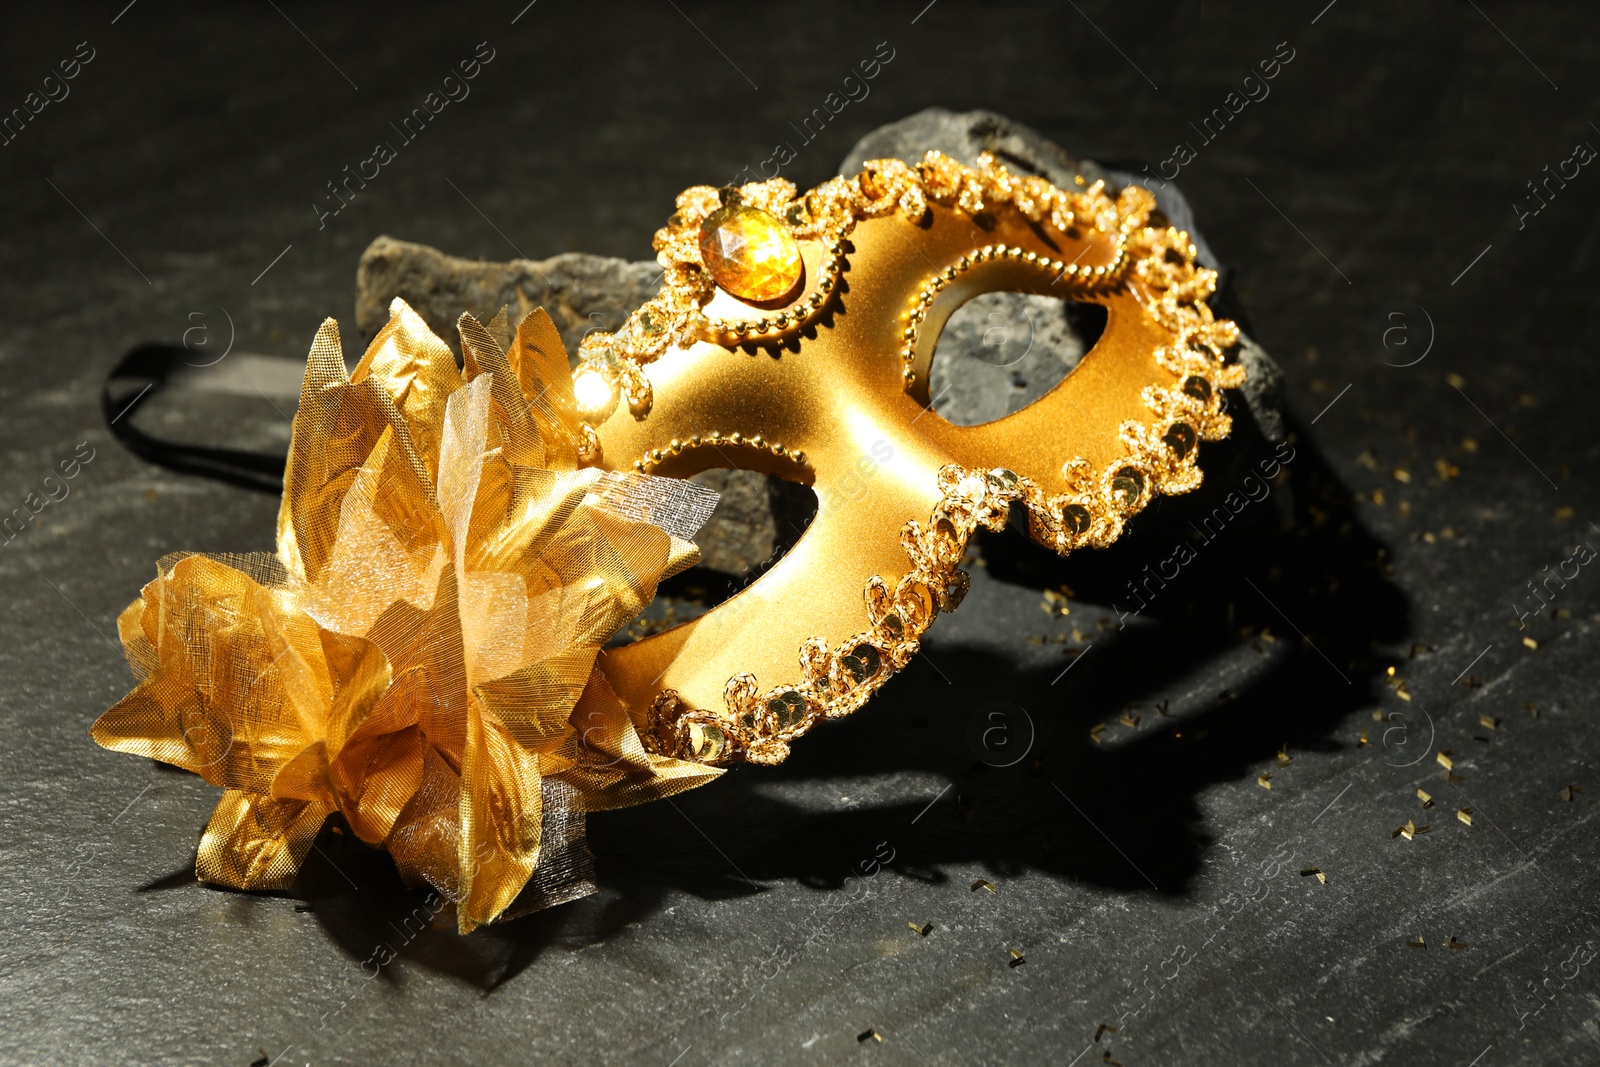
<point x="419" y="655"/>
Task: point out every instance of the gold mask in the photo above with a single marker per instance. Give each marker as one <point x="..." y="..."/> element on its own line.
<point x="793" y="337"/>
<point x="422" y="654"/>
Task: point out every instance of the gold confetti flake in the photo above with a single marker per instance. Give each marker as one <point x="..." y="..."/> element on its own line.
<point x="1459" y="946"/>
<point x="1570" y="791"/>
<point x="1104" y="1028"/>
<point x="1307" y="872"/>
<point x="983" y="883"/>
<point x="1455" y="380"/>
<point x="1444" y="760"/>
<point x="1017" y="959"/>
<point x="1283" y="755"/>
<point x="1361" y="742"/>
<point x="1264" y="780"/>
<point x="1531" y="643"/>
<point x="1418" y="943"/>
<point x="1378" y="715"/>
<point x="1164" y="708"/>
<point x="1409" y="831"/>
<point x="1465" y="815"/>
<point x="1095" y="731"/>
<point x="869" y="1035"/>
<point x="923" y="930"/>
<point x="1402" y="475"/>
<point x="1129" y="720"/>
<point x="1105" y="1057"/>
<point x="1426" y="798"/>
<point x="1489" y="722"/>
<point x="1469" y="444"/>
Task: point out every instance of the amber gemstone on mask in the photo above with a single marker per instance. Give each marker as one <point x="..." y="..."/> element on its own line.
<point x="749" y="253"/>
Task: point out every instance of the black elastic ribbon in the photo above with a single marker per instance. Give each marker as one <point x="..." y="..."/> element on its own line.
<point x="146" y="371"/>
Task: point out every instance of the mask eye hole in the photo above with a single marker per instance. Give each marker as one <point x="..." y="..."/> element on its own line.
<point x="758" y="519"/>
<point x="1000" y="352"/>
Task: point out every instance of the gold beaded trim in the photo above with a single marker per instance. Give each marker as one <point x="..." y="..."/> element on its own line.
<point x="1057" y="268"/>
<point x="651" y="459"/>
<point x="1161" y="458"/>
<point x="674" y="317"/>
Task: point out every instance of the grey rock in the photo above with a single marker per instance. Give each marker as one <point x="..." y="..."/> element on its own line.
<point x="962" y="136"/>
<point x="582" y="292"/>
<point x="1262" y="389"/>
<point x="997" y="354"/>
<point x="1000" y="352"/>
<point x="742" y="531"/>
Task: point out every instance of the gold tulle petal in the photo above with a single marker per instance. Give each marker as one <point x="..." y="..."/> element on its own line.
<point x="379" y="767"/>
<point x="539" y="361"/>
<point x="536" y="701"/>
<point x="335" y="430"/>
<point x="305" y="777"/>
<point x="614" y="770"/>
<point x="136" y="642"/>
<point x="218" y="703"/>
<point x="500" y="821"/>
<point x="256" y="842"/>
<point x="418" y="373"/>
<point x="424" y="841"/>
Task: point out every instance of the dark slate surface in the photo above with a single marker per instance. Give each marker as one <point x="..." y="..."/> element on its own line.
<point x="1150" y="882"/>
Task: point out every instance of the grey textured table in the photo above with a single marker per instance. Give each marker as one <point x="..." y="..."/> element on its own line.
<point x="1435" y="321"/>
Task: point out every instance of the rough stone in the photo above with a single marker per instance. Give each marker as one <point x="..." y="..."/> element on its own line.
<point x="1000" y="352"/>
<point x="741" y="533"/>
<point x="582" y="292"/>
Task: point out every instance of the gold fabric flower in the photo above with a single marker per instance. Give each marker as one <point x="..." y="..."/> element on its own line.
<point x="419" y="654"/>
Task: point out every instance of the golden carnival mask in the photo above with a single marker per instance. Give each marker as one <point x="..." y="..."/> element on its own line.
<point x="423" y="654"/>
<point x="793" y="336"/>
